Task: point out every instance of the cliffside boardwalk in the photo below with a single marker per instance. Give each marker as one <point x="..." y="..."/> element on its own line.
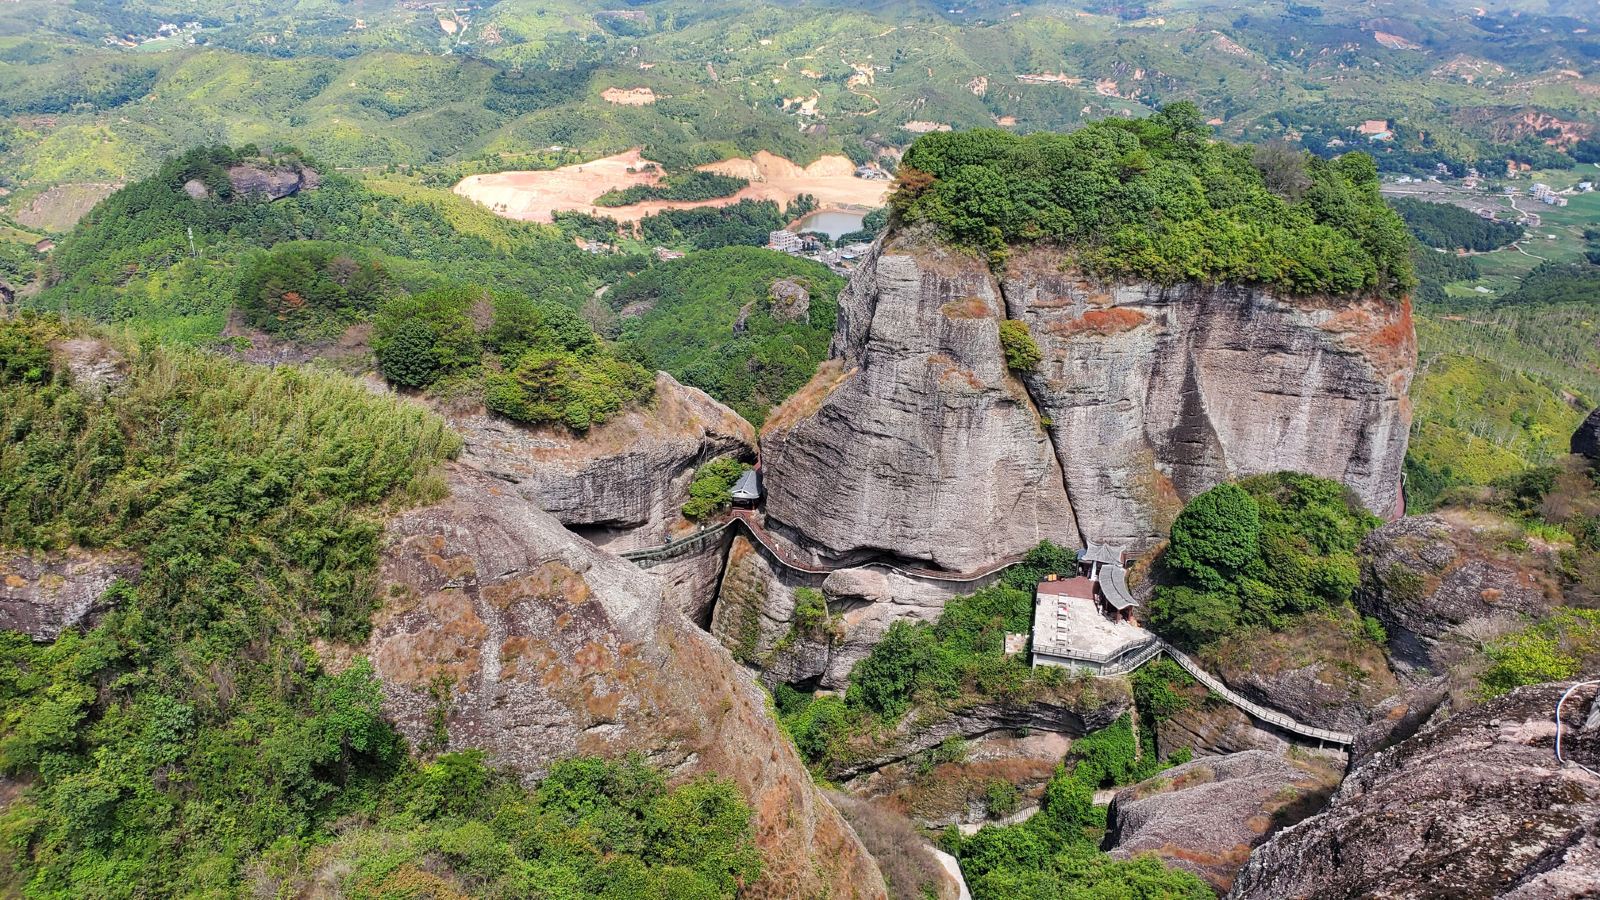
<point x="1121" y="661"/>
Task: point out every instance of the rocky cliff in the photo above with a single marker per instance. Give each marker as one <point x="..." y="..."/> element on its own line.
<point x="1473" y="806"/>
<point x="1442" y="583"/>
<point x="623" y="482"/>
<point x="1207" y="815"/>
<point x="918" y="442"/>
<point x="502" y="630"/>
<point x="43" y="594"/>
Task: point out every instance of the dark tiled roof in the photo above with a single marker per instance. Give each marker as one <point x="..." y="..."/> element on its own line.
<point x="1101" y="553"/>
<point x="748" y="487"/>
<point x="1114" y="584"/>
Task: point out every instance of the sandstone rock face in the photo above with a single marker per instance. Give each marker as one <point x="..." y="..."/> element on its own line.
<point x="917" y="442"/>
<point x="1474" y="806"/>
<point x="503" y="631"/>
<point x="1156" y="393"/>
<point x="624" y="481"/>
<point x="270" y="182"/>
<point x="754" y="616"/>
<point x="926" y="447"/>
<point x="1214" y="729"/>
<point x="1074" y="712"/>
<point x="956" y="792"/>
<point x="43" y="594"/>
<point x="1318" y="669"/>
<point x="1207" y="815"/>
<point x="96" y="367"/>
<point x="1440" y="583"/>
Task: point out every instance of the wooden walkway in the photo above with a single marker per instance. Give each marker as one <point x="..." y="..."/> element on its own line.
<point x="1121" y="661"/>
<point x="781" y="554"/>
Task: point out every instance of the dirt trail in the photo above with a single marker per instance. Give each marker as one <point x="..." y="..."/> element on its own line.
<point x="537" y="196"/>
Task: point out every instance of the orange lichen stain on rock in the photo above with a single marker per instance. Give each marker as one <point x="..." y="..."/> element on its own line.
<point x="1492" y="595"/>
<point x="952" y="375"/>
<point x="969" y="307"/>
<point x="804" y="403"/>
<point x="601" y="706"/>
<point x="446" y="645"/>
<point x="552" y="582"/>
<point x="15" y="581"/>
<point x="453" y="567"/>
<point x="1099" y="322"/>
<point x="1383" y="332"/>
<point x="562" y="621"/>
<point x="592" y="658"/>
<point x="523" y="657"/>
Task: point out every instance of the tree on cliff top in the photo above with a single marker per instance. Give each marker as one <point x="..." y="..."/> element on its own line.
<point x="1155" y="198"/>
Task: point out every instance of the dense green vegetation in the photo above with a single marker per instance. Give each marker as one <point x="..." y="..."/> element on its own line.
<point x="711" y="490"/>
<point x="1447" y="227"/>
<point x="193" y="742"/>
<point x="746" y="223"/>
<point x="1021" y="351"/>
<point x="131" y="259"/>
<point x="685" y="187"/>
<point x="1255" y="553"/>
<point x="959" y="657"/>
<point x="310" y="288"/>
<point x="745" y="325"/>
<point x="1055" y="854"/>
<point x="1154" y="198"/>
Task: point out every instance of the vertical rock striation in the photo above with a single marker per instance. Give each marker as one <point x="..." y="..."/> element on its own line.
<point x="917" y="442"/>
<point x="1156" y="393"/>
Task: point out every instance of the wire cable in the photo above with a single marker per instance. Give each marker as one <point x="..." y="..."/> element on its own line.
<point x="1559" y="704"/>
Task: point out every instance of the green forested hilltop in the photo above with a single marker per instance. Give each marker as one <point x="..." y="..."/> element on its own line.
<point x="193" y="743"/>
<point x="1155" y="198"/>
<point x="748" y="326"/>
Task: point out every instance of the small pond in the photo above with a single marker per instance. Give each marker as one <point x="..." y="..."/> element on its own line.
<point x="832" y="222"/>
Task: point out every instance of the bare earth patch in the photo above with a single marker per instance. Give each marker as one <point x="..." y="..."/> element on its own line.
<point x="60" y="207"/>
<point x="538" y="196"/>
<point x="642" y="96"/>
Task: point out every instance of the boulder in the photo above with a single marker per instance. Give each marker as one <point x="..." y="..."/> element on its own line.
<point x="1320" y="669"/>
<point x="1207" y="815"/>
<point x="1441" y="583"/>
<point x="623" y="482"/>
<point x="1155" y="393"/>
<point x="268" y="181"/>
<point x="789" y="301"/>
<point x="916" y="442"/>
<point x="501" y="630"/>
<point x="43" y="594"/>
<point x="1474" y="806"/>
<point x="96" y="367"/>
<point x="937" y="793"/>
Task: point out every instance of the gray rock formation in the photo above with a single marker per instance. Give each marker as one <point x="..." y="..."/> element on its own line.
<point x="1155" y="393"/>
<point x="755" y="615"/>
<point x="96" y="367"/>
<point x="1214" y="728"/>
<point x="1073" y="710"/>
<point x="1207" y="815"/>
<point x="916" y="442"/>
<point x="503" y="631"/>
<point x="1586" y="440"/>
<point x="623" y="482"/>
<point x="1442" y="583"/>
<point x="1474" y="806"/>
<point x="43" y="594"/>
<point x="272" y="182"/>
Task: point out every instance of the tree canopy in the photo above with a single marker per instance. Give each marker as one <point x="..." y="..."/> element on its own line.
<point x="1156" y="198"/>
